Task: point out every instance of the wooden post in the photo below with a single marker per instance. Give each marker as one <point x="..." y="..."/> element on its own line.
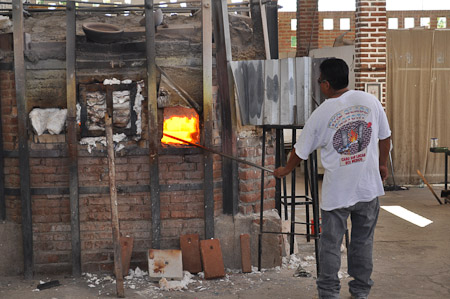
<point x="24" y="155"/>
<point x="2" y="175"/>
<point x="114" y="211"/>
<point x="207" y="118"/>
<point x="230" y="183"/>
<point x="153" y="131"/>
<point x="72" y="145"/>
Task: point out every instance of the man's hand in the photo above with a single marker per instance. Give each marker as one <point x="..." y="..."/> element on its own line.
<point x="280" y="172"/>
<point x="384" y="172"/>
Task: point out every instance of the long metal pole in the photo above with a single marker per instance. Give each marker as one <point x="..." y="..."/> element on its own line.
<point x="222" y="154"/>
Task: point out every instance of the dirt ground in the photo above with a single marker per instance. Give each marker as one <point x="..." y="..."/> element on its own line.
<point x="278" y="282"/>
<point x="410" y="262"/>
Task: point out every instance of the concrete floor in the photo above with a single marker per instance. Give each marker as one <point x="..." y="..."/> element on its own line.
<point x="410" y="262"/>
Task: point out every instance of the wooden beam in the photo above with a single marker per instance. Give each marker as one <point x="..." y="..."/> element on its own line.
<point x="207" y="118"/>
<point x="72" y="144"/>
<point x="24" y="158"/>
<point x="2" y="175"/>
<point x="153" y="132"/>
<point x="114" y="211"/>
<point x="230" y="185"/>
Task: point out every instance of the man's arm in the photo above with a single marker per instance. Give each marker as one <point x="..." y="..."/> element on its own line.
<point x="293" y="161"/>
<point x="385" y="146"/>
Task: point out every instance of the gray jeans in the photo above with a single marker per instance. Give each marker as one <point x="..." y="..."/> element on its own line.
<point x="364" y="217"/>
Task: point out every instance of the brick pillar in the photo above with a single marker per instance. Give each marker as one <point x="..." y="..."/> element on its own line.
<point x="370" y="44"/>
<point x="307" y="26"/>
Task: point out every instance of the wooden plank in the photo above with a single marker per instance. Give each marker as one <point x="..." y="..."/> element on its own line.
<point x="246" y="257"/>
<point x="2" y="174"/>
<point x="272" y="27"/>
<point x="239" y="68"/>
<point x="114" y="211"/>
<point x="154" y="134"/>
<point x="72" y="144"/>
<point x="287" y="85"/>
<point x="190" y="249"/>
<point x="264" y="29"/>
<point x="24" y="158"/>
<point x="126" y="249"/>
<point x="212" y="258"/>
<point x="208" y="186"/>
<point x="272" y="93"/>
<point x="230" y="187"/>
<point x="303" y="88"/>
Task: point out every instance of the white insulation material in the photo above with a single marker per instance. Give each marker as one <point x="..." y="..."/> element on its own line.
<point x="91" y="142"/>
<point x="51" y="120"/>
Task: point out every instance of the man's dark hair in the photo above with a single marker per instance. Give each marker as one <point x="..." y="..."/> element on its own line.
<point x="335" y="71"/>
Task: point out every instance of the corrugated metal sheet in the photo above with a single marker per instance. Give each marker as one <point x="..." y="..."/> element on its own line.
<point x="275" y="92"/>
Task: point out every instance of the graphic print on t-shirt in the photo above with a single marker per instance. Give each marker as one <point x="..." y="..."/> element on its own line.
<point x="352" y="134"/>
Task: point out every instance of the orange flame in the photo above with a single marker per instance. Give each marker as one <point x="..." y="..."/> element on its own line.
<point x="183" y="127"/>
<point x="353" y="136"/>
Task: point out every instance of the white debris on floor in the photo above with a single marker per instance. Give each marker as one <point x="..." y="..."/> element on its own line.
<point x="138" y="281"/>
<point x="51" y="120"/>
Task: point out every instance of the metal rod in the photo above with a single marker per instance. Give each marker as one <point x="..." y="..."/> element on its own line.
<point x="184" y="95"/>
<point x="219" y="153"/>
<point x="278" y="158"/>
<point x="292" y="204"/>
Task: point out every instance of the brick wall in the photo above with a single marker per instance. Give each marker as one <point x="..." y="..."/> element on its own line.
<point x="308" y="35"/>
<point x="182" y="211"/>
<point x="326" y="38"/>
<point x="370" y="44"/>
<point x="285" y="34"/>
<point x="249" y="148"/>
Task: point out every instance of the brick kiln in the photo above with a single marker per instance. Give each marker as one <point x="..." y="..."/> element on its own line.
<point x="156" y="202"/>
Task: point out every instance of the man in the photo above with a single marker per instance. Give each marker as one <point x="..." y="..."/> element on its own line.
<point x="352" y="132"/>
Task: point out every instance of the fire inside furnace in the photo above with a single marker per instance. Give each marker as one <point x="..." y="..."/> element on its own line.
<point x="182" y="123"/>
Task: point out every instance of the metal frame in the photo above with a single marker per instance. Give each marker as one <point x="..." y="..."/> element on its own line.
<point x="108" y="90"/>
<point x="311" y="186"/>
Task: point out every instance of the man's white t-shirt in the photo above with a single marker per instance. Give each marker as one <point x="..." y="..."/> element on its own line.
<point x="347" y="130"/>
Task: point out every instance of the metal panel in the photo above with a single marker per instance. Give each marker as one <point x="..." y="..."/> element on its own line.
<point x="316" y="96"/>
<point x="24" y="158"/>
<point x="287" y="97"/>
<point x="72" y="137"/>
<point x="272" y="93"/>
<point x="303" y="84"/>
<point x="249" y="81"/>
<point x="255" y="91"/>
